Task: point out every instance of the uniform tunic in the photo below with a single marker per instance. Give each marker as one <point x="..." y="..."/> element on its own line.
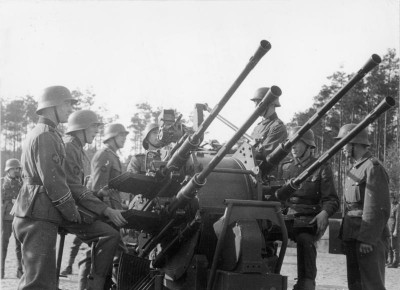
<point x="9" y="192"/>
<point x="367" y="209"/>
<point x="104" y="167"/>
<point x="140" y="163"/>
<point x="268" y="134"/>
<point x="42" y="203"/>
<point x="315" y="194"/>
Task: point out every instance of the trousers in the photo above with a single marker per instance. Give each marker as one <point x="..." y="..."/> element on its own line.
<point x="6" y="231"/>
<point x="365" y="271"/>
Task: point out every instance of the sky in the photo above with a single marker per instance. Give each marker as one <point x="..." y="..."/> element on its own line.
<point x="173" y="54"/>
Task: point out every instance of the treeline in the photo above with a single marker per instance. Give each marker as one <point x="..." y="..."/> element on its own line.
<point x="384" y="135"/>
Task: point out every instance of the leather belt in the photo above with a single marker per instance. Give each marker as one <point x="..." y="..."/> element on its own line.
<point x="356" y="212"/>
<point x="305" y="201"/>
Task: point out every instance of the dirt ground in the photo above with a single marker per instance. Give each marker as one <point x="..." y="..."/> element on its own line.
<point x="331" y="270"/>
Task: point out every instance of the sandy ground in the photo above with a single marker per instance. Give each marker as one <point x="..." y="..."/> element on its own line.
<point x="331" y="270"/>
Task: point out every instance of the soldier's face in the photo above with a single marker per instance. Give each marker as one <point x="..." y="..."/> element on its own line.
<point x="14" y="172"/>
<point x="298" y="148"/>
<point x="347" y="150"/>
<point x="91" y="133"/>
<point x="120" y="140"/>
<point x="153" y="140"/>
<point x="64" y="110"/>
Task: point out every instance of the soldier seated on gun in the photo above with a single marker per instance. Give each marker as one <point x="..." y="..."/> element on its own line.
<point x="10" y="186"/>
<point x="309" y="207"/>
<point x="82" y="128"/>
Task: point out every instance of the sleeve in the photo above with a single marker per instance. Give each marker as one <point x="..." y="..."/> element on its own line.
<point x="329" y="198"/>
<point x="276" y="136"/>
<point x="134" y="165"/>
<point x="49" y="159"/>
<point x="74" y="171"/>
<point x="100" y="173"/>
<point x="376" y="205"/>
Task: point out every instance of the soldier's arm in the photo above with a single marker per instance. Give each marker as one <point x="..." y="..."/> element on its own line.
<point x="134" y="165"/>
<point x="329" y="197"/>
<point x="82" y="195"/>
<point x="376" y="201"/>
<point x="276" y="136"/>
<point x="49" y="159"/>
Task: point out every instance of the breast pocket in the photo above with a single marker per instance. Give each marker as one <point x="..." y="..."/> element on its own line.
<point x="311" y="186"/>
<point x="359" y="190"/>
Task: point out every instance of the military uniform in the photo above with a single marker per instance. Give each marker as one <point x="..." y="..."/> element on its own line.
<point x="315" y="194"/>
<point x="367" y="209"/>
<point x="394" y="228"/>
<point x="105" y="166"/>
<point x="44" y="201"/>
<point x="9" y="192"/>
<point x="140" y="163"/>
<point x="105" y="237"/>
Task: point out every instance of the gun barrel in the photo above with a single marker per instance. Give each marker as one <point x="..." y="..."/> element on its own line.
<point x="287" y="190"/>
<point x="282" y="151"/>
<point x="180" y="156"/>
<point x="189" y="190"/>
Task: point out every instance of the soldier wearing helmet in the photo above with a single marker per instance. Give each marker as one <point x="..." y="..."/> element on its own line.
<point x="10" y="186"/>
<point x="83" y="127"/>
<point x="367" y="208"/>
<point x="313" y="203"/>
<point x="45" y="200"/>
<point x="140" y="163"/>
<point x="271" y="131"/>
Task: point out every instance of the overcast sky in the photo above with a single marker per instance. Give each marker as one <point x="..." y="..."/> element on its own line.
<point x="174" y="54"/>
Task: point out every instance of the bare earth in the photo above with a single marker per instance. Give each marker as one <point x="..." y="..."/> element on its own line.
<point x="331" y="270"/>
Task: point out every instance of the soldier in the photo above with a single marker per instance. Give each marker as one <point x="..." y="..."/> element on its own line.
<point x="151" y="144"/>
<point x="76" y="244"/>
<point x="394" y="229"/>
<point x="45" y="199"/>
<point x="310" y="206"/>
<point x="10" y="186"/>
<point x="271" y="131"/>
<point x="367" y="208"/>
<point x="82" y="129"/>
<point x="105" y="166"/>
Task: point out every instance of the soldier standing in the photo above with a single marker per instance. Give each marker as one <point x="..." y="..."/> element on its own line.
<point x="310" y="206"/>
<point x="271" y="131"/>
<point x="45" y="199"/>
<point x="10" y="186"/>
<point x="367" y="207"/>
<point x="394" y="230"/>
<point x="82" y="129"/>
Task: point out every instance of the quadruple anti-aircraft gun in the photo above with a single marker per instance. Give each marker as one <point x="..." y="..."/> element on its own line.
<point x="207" y="223"/>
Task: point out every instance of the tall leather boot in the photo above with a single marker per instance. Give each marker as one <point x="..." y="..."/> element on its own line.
<point x="389" y="258"/>
<point x="395" y="262"/>
<point x="304" y="284"/>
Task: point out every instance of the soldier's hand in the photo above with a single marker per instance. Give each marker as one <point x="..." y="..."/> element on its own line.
<point x="395" y="234"/>
<point x="322" y="220"/>
<point x="103" y="192"/>
<point x="115" y="216"/>
<point x="366" y="248"/>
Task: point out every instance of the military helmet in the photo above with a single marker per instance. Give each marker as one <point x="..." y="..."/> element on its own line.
<point x="259" y="95"/>
<point x="150" y="127"/>
<point x="112" y="130"/>
<point x="81" y="120"/>
<point x="360" y="138"/>
<point x="12" y="163"/>
<point x="308" y="136"/>
<point x="54" y="96"/>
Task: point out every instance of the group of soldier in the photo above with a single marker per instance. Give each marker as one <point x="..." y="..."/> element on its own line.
<point x="54" y="193"/>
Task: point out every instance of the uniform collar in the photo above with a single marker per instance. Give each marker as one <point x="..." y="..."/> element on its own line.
<point x="271" y="118"/>
<point x="75" y="140"/>
<point x="47" y="122"/>
<point x="365" y="157"/>
<point x="302" y="163"/>
<point x="110" y="149"/>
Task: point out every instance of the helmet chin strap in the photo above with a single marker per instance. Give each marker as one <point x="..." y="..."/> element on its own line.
<point x="302" y="155"/>
<point x="115" y="143"/>
<point x="56" y="115"/>
<point x="84" y="136"/>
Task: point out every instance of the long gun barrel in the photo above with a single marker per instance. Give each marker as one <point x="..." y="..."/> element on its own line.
<point x="229" y="124"/>
<point x="288" y="189"/>
<point x="190" y="189"/>
<point x="180" y="156"/>
<point x="282" y="151"/>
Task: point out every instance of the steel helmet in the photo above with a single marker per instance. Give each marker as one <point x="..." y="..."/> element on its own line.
<point x="81" y="120"/>
<point x="12" y="163"/>
<point x="54" y="96"/>
<point x="308" y="136"/>
<point x="360" y="138"/>
<point x="259" y="95"/>
<point x="112" y="130"/>
<point x="150" y="127"/>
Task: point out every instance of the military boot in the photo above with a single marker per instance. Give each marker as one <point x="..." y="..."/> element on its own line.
<point x="67" y="271"/>
<point x="304" y="284"/>
<point x="389" y="258"/>
<point x="395" y="262"/>
<point x="19" y="273"/>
